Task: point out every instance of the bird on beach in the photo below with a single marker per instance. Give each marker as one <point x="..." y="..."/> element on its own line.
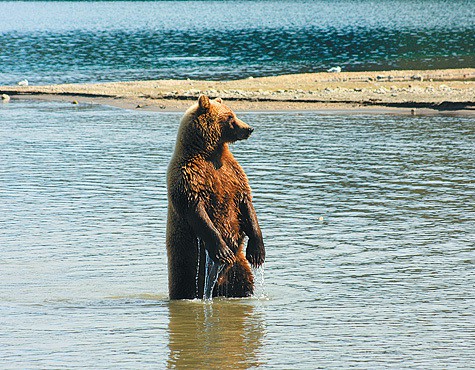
<point x="23" y="82"/>
<point x="334" y="69"/>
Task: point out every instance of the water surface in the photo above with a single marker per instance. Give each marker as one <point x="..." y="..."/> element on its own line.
<point x="87" y="41"/>
<point x="368" y="223"/>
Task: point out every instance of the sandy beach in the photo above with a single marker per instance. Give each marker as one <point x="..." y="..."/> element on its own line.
<point x="411" y="91"/>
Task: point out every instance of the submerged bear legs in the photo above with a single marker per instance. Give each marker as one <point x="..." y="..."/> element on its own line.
<point x="234" y="281"/>
<point x="182" y="274"/>
<point x="183" y="255"/>
<point x="186" y="270"/>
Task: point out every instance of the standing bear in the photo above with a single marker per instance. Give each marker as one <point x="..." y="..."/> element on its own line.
<point x="210" y="206"/>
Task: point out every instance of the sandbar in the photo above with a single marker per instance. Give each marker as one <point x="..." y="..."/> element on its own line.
<point x="447" y="91"/>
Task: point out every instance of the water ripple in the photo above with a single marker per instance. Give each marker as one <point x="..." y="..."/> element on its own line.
<point x="368" y="223"/>
<point x="70" y="42"/>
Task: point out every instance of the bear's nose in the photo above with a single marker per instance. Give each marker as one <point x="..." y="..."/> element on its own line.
<point x="250" y="130"/>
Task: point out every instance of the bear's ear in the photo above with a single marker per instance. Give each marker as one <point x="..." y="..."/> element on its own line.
<point x="219" y="100"/>
<point x="203" y="102"/>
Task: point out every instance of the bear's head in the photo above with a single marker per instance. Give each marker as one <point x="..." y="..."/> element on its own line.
<point x="210" y="124"/>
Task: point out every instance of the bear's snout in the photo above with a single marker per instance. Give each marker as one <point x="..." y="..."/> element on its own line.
<point x="249" y="131"/>
<point x="244" y="130"/>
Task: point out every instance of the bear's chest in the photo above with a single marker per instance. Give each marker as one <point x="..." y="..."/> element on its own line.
<point x="221" y="187"/>
<point x="223" y="184"/>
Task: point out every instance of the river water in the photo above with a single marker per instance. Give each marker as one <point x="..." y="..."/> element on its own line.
<point x="368" y="222"/>
<point x="89" y="41"/>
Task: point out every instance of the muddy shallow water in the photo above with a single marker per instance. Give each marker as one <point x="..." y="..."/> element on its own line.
<point x="367" y="219"/>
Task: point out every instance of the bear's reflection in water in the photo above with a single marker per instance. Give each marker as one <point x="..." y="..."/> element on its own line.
<point x="224" y="333"/>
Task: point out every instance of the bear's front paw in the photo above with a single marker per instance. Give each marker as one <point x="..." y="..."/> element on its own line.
<point x="222" y="254"/>
<point x="255" y="252"/>
<point x="226" y="256"/>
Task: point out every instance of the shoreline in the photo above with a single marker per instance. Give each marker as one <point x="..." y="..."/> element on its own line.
<point x="449" y="91"/>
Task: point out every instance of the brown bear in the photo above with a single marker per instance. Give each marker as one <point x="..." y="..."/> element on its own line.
<point x="210" y="206"/>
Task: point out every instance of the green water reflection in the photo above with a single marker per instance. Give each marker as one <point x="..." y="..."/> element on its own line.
<point x="228" y="333"/>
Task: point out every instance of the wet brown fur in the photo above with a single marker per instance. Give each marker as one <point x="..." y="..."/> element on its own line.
<point x="210" y="205"/>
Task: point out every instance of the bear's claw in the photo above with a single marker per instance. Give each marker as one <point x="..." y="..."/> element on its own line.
<point x="255" y="261"/>
<point x="222" y="254"/>
<point x="225" y="256"/>
<point x="255" y="253"/>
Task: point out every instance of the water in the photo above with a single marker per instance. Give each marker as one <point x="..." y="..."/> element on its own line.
<point x="74" y="41"/>
<point x="212" y="271"/>
<point x="368" y="223"/>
